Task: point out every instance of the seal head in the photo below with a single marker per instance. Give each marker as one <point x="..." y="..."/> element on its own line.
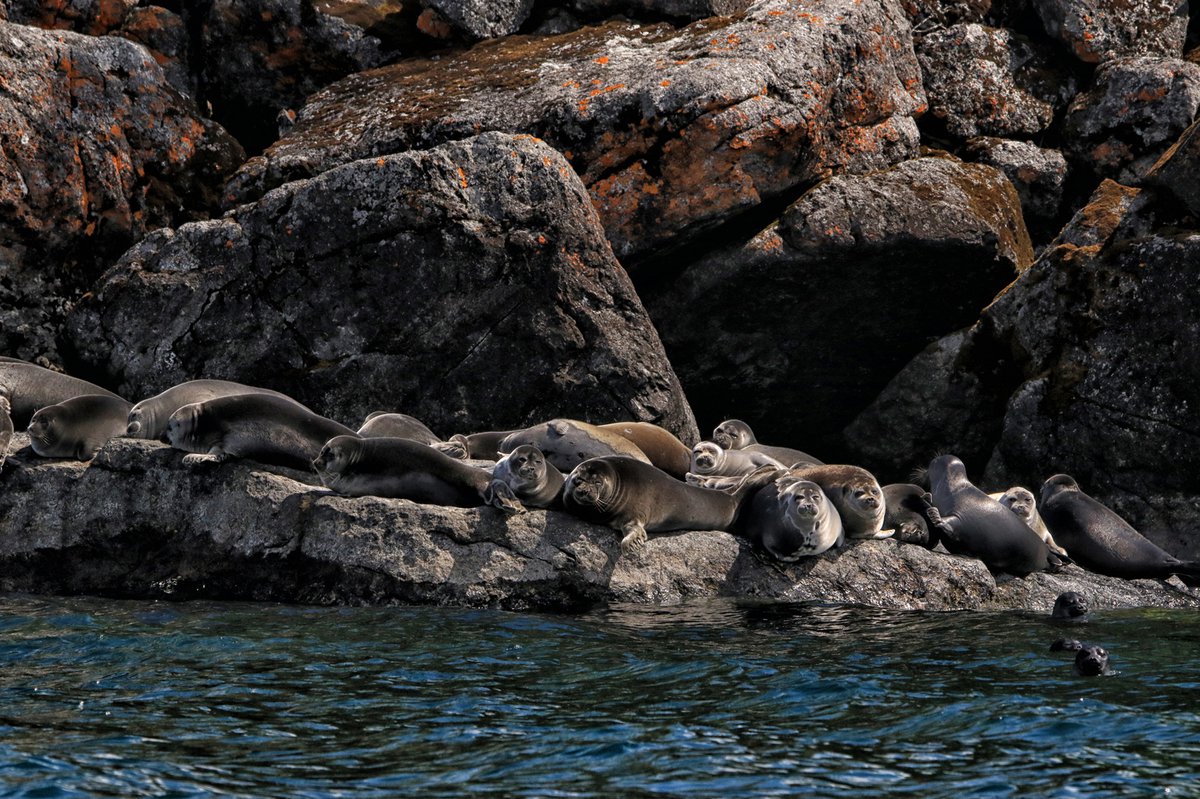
<point x="1070" y="606"/>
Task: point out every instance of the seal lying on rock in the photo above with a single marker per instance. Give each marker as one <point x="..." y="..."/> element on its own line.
<point x="661" y="446"/>
<point x="148" y="418"/>
<point x="906" y="511"/>
<point x="975" y="524"/>
<point x="381" y="424"/>
<point x="256" y="426"/>
<point x="402" y="469"/>
<point x="709" y="459"/>
<point x="29" y="387"/>
<point x="78" y="427"/>
<point x="791" y="519"/>
<point x="736" y="434"/>
<point x="1100" y="540"/>
<point x="475" y="446"/>
<point x="1020" y="501"/>
<point x="566" y="443"/>
<point x="636" y="498"/>
<point x="530" y="478"/>
<point x="854" y="492"/>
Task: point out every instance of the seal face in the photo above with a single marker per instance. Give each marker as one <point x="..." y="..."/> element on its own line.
<point x="29" y="387"/>
<point x="397" y="425"/>
<point x="975" y="524"/>
<point x="1020" y="501"/>
<point x="736" y="434"/>
<point x="1091" y="661"/>
<point x="906" y="511"/>
<point x="403" y="469"/>
<point x="530" y="478"/>
<point x="77" y="427"/>
<point x="567" y="443"/>
<point x="1070" y="606"/>
<point x="791" y="519"/>
<point x="148" y="418"/>
<point x="1100" y="540"/>
<point x="854" y="492"/>
<point x="709" y="459"/>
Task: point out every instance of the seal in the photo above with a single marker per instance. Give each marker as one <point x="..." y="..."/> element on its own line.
<point x="1092" y="661"/>
<point x="530" y="478"/>
<point x="29" y="387"/>
<point x="77" y="427"/>
<point x="791" y="519"/>
<point x="906" y="511"/>
<point x="148" y="418"/>
<point x="661" y="446"/>
<point x="736" y="434"/>
<point x="636" y="498"/>
<point x="6" y="428"/>
<point x="975" y="524"/>
<point x="255" y="426"/>
<point x="1069" y="606"/>
<point x="566" y="443"/>
<point x="709" y="459"/>
<point x="854" y="492"/>
<point x="1020" y="501"/>
<point x="402" y="469"/>
<point x="1100" y="540"/>
<point x="475" y="446"/>
<point x="381" y="424"/>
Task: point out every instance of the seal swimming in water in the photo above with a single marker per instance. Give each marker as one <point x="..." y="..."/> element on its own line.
<point x="736" y="434"/>
<point x="854" y="492"/>
<point x="382" y="424"/>
<point x="29" y="387"/>
<point x="636" y="498"/>
<point x="1069" y="606"/>
<point x="77" y="427"/>
<point x="566" y="443"/>
<point x="906" y="510"/>
<point x="256" y="426"/>
<point x="661" y="446"/>
<point x="791" y="519"/>
<point x="403" y="469"/>
<point x="530" y="478"/>
<point x="975" y="524"/>
<point x="1020" y="501"/>
<point x="709" y="459"/>
<point x="1100" y="540"/>
<point x="148" y="418"/>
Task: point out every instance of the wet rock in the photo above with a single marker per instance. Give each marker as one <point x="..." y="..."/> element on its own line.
<point x="672" y="131"/>
<point x="469" y="285"/>
<point x="137" y="523"/>
<point x="1135" y="109"/>
<point x="798" y="329"/>
<point x="1099" y="30"/>
<point x="1089" y="361"/>
<point x="991" y="82"/>
<point x="96" y="149"/>
<point x="1177" y="173"/>
<point x="1038" y="174"/>
<point x="483" y="19"/>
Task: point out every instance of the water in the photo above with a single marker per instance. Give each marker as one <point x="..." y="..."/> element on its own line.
<point x="729" y="699"/>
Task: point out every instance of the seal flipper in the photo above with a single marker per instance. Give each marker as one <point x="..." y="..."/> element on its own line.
<point x="214" y="455"/>
<point x="500" y="495"/>
<point x="456" y="447"/>
<point x="635" y="536"/>
<point x="944" y="524"/>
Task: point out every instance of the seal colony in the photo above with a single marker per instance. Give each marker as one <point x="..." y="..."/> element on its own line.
<point x="632" y="476"/>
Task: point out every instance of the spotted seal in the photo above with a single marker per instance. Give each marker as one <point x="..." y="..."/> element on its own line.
<point x="530" y="478"/>
<point x="256" y="426"/>
<point x="77" y="427"/>
<point x="403" y="469"/>
<point x="29" y="387"/>
<point x="736" y="434"/>
<point x="854" y="492"/>
<point x="791" y="519"/>
<point x="382" y="424"/>
<point x="1020" y="501"/>
<point x="566" y="443"/>
<point x="1100" y="540"/>
<point x="148" y="418"/>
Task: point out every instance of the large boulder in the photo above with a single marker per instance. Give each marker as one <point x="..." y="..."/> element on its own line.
<point x="1177" y="173"/>
<point x="483" y="19"/>
<point x="135" y="522"/>
<point x="1087" y="365"/>
<point x="1037" y="173"/>
<point x="469" y="285"/>
<point x="799" y="328"/>
<point x="671" y="130"/>
<point x="98" y="149"/>
<point x="1099" y="30"/>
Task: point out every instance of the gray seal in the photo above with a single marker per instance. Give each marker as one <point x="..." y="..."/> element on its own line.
<point x="530" y="478"/>
<point x="972" y="523"/>
<point x="6" y="428"/>
<point x="854" y="492"/>
<point x="148" y="418"/>
<point x="29" y="387"/>
<point x="255" y="426"/>
<point x="791" y="519"/>
<point x="736" y="434"/>
<point x="381" y="424"/>
<point x="636" y="498"/>
<point x="906" y="512"/>
<point x="1020" y="500"/>
<point x="709" y="459"/>
<point x="77" y="427"/>
<point x="566" y="443"/>
<point x="661" y="446"/>
<point x="1100" y="540"/>
<point x="402" y="469"/>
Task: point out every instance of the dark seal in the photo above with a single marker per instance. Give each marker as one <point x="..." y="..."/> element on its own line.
<point x="791" y="519"/>
<point x="1070" y="606"/>
<point x="381" y="424"/>
<point x="661" y="446"/>
<point x="78" y="427"/>
<point x="907" y="513"/>
<point x="530" y="478"/>
<point x="148" y="418"/>
<point x="29" y="387"/>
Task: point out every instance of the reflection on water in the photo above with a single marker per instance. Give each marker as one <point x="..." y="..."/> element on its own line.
<point x="106" y="698"/>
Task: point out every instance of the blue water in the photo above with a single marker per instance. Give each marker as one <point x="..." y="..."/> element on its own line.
<point x="722" y="699"/>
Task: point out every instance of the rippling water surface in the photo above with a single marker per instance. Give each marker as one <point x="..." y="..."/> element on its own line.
<point x="106" y="698"/>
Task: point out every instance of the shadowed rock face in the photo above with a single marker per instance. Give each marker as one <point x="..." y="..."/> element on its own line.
<point x="97" y="149"/>
<point x="672" y="131"/>
<point x="137" y="523"/>
<point x="800" y="327"/>
<point x="1099" y="30"/>
<point x="469" y="285"/>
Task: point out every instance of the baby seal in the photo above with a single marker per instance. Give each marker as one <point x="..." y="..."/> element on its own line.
<point x="402" y="469"/>
<point x="29" y="387"/>
<point x="78" y="427"/>
<point x="1070" y="606"/>
<point x="1020" y="501"/>
<point x="854" y="492"/>
<point x="736" y="434"/>
<point x="1100" y="540"/>
<point x="636" y="498"/>
<point x="709" y="459"/>
<point x="397" y="425"/>
<point x="256" y="426"/>
<point x="530" y="478"/>
<point x="792" y="519"/>
<point x="148" y="418"/>
<point x="566" y="443"/>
